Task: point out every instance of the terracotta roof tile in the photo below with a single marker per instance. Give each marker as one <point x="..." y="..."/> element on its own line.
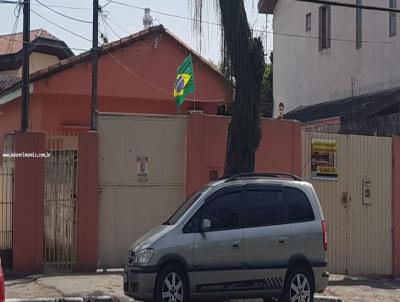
<point x="12" y="43"/>
<point x="8" y="80"/>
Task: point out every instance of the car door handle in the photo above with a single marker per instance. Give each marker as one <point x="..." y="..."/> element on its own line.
<point x="282" y="240"/>
<point x="235" y="244"/>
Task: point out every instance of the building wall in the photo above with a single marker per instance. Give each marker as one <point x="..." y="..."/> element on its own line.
<point x="279" y="150"/>
<point x="396" y="206"/>
<point x="38" y="61"/>
<point x="303" y="75"/>
<point x="136" y="79"/>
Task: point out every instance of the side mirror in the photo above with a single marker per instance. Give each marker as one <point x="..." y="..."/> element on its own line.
<point x="205" y="225"/>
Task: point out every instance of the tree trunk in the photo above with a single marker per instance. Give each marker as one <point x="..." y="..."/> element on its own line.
<point x="246" y="56"/>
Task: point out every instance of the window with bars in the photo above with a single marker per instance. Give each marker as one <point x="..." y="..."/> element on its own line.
<point x="392" y="18"/>
<point x="324" y="27"/>
<point x="358" y="25"/>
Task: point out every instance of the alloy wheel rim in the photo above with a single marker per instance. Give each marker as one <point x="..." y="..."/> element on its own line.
<point x="300" y="289"/>
<point x="172" y="289"/>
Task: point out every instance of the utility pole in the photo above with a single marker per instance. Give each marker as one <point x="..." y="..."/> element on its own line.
<point x="95" y="55"/>
<point x="25" y="66"/>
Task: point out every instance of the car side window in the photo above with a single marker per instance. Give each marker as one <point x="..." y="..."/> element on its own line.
<point x="298" y="206"/>
<point x="262" y="208"/>
<point x="223" y="211"/>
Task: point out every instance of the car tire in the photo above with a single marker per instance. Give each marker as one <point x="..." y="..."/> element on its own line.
<point x="172" y="282"/>
<point x="298" y="284"/>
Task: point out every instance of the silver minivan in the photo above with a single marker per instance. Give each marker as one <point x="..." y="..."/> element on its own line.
<point x="258" y="235"/>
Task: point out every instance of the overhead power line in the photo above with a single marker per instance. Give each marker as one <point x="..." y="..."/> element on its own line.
<point x="61" y="14"/>
<point x="366" y="7"/>
<point x="60" y="27"/>
<point x="9" y="2"/>
<point x="256" y="30"/>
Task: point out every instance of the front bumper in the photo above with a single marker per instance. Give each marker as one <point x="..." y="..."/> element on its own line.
<point x="139" y="283"/>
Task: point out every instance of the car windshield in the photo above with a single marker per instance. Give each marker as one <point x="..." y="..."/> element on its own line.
<point x="185" y="206"/>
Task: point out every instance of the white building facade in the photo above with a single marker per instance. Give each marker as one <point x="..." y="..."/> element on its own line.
<point x="324" y="53"/>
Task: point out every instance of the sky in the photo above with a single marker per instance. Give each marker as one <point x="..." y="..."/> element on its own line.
<point x="124" y="20"/>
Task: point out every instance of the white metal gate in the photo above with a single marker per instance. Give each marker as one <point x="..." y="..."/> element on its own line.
<point x="7" y="201"/>
<point x="142" y="178"/>
<point x="60" y="202"/>
<point x="359" y="227"/>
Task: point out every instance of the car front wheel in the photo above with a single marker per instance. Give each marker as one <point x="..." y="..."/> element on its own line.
<point x="172" y="285"/>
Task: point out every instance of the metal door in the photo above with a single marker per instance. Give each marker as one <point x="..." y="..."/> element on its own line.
<point x="60" y="204"/>
<point x="359" y="229"/>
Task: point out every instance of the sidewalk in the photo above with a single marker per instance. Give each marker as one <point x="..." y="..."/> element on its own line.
<point x="73" y="285"/>
<point x="110" y="284"/>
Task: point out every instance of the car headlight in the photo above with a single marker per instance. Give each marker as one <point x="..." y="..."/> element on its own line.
<point x="144" y="257"/>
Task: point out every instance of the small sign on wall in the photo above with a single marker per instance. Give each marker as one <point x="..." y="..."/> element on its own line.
<point x="324" y="159"/>
<point x="367" y="190"/>
<point x="142" y="169"/>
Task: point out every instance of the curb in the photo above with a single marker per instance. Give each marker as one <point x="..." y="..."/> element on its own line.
<point x="326" y="299"/>
<point x="65" y="299"/>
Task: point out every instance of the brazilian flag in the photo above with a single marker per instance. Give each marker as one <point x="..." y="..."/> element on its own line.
<point x="184" y="83"/>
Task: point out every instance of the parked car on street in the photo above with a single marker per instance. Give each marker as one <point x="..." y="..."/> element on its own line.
<point x="2" y="289"/>
<point x="247" y="236"/>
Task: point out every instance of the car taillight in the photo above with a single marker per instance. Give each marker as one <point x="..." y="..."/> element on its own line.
<point x="324" y="235"/>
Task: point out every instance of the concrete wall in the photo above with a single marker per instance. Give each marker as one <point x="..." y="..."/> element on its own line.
<point x="39" y="61"/>
<point x="88" y="201"/>
<point x="130" y="207"/>
<point x="303" y="75"/>
<point x="28" y="204"/>
<point x="396" y="206"/>
<point x="279" y="151"/>
<point x="181" y="152"/>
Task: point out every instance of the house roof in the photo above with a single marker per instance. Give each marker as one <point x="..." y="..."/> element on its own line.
<point x="8" y="80"/>
<point x="41" y="41"/>
<point x="358" y="107"/>
<point x="12" y="43"/>
<point x="110" y="47"/>
<point x="266" y="6"/>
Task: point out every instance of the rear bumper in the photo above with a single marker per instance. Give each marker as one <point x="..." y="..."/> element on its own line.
<point x="321" y="277"/>
<point x="139" y="285"/>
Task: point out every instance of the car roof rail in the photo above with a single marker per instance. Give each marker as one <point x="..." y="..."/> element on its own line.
<point x="266" y="174"/>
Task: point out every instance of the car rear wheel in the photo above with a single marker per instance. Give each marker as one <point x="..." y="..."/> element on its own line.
<point x="298" y="286"/>
<point x="172" y="285"/>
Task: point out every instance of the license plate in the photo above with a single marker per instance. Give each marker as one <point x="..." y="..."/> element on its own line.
<point x="125" y="277"/>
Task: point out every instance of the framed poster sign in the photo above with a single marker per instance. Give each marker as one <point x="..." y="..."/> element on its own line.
<point x="324" y="159"/>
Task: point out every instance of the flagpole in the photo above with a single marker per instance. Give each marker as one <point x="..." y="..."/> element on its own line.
<point x="194" y="94"/>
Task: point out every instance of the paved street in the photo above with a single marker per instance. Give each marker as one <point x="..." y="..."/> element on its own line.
<point x="357" y="289"/>
<point x="80" y="285"/>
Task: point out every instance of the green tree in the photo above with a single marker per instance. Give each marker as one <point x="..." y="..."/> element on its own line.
<point x="244" y="56"/>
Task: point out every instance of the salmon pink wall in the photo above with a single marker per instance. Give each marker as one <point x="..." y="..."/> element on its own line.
<point x="141" y="71"/>
<point x="135" y="79"/>
<point x="88" y="201"/>
<point x="10" y="116"/>
<point x="279" y="151"/>
<point x="28" y="204"/>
